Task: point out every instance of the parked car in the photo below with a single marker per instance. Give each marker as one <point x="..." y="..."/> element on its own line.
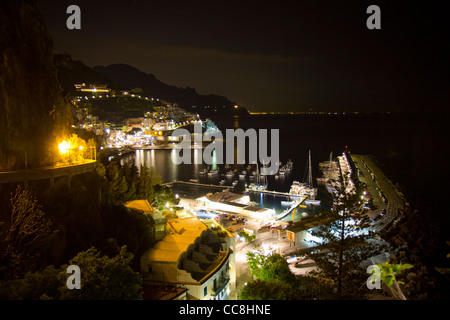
<point x="378" y="217"/>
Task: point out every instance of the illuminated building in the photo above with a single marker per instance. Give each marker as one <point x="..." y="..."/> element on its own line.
<point x="145" y="207"/>
<point x="300" y="233"/>
<point x="190" y="255"/>
<point x="229" y="202"/>
<point x="94" y="88"/>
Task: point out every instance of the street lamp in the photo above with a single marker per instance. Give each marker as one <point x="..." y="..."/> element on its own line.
<point x="64" y="147"/>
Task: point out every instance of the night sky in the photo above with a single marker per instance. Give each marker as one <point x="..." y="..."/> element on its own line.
<point x="272" y="56"/>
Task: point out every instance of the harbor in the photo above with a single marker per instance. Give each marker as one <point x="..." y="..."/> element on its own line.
<point x="281" y="211"/>
<point x="304" y="199"/>
<point x="223" y="151"/>
<point x="277" y="207"/>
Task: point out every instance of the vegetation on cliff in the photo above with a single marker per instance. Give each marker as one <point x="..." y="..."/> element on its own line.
<point x="33" y="109"/>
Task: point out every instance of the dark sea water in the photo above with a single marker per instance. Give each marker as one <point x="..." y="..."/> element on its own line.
<point x="410" y="148"/>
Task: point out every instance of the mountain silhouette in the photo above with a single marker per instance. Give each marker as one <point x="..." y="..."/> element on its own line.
<point x="126" y="77"/>
<point x="187" y="98"/>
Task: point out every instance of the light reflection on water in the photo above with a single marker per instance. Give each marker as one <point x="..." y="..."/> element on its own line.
<point x="161" y="161"/>
<point x="402" y="143"/>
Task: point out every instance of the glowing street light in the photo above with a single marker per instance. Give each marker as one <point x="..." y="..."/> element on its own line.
<point x="64" y="147"/>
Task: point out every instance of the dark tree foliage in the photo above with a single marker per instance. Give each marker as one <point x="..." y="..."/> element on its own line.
<point x="343" y="249"/>
<point x="102" y="278"/>
<point x="124" y="226"/>
<point x="266" y="290"/>
<point x="25" y="235"/>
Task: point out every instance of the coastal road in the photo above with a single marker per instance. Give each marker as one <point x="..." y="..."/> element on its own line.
<point x="371" y="186"/>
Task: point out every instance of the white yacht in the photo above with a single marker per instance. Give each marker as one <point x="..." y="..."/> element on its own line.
<point x="213" y="172"/>
<point x="299" y="189"/>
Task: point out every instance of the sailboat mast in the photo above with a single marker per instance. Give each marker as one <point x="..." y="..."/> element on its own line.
<point x="329" y="166"/>
<point x="310" y="170"/>
<point x="257" y="172"/>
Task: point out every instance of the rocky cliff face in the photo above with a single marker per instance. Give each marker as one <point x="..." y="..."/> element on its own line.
<point x="30" y="95"/>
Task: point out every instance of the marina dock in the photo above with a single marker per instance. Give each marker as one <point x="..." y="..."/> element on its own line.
<point x="196" y="184"/>
<point x="275" y="193"/>
<point x="291" y="209"/>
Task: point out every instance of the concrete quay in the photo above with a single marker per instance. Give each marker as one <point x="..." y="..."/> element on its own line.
<point x="375" y="181"/>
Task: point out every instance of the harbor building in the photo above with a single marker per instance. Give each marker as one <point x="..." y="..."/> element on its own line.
<point x="156" y="216"/>
<point x="300" y="233"/>
<point x="94" y="88"/>
<point x="229" y="202"/>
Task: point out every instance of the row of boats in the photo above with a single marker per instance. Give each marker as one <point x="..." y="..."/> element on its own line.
<point x="298" y="191"/>
<point x="306" y="190"/>
<point x="249" y="171"/>
<point x="331" y="180"/>
<point x="258" y="181"/>
<point x="301" y="190"/>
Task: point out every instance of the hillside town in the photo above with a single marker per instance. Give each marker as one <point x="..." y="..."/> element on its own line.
<point x="152" y="128"/>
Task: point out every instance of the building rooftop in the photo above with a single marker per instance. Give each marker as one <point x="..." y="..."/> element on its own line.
<point x="225" y="196"/>
<point x="146" y="208"/>
<point x="301" y="226"/>
<point x="162" y="292"/>
<point x="255" y="209"/>
<point x="142" y="205"/>
<point x="182" y="233"/>
<point x="229" y="202"/>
